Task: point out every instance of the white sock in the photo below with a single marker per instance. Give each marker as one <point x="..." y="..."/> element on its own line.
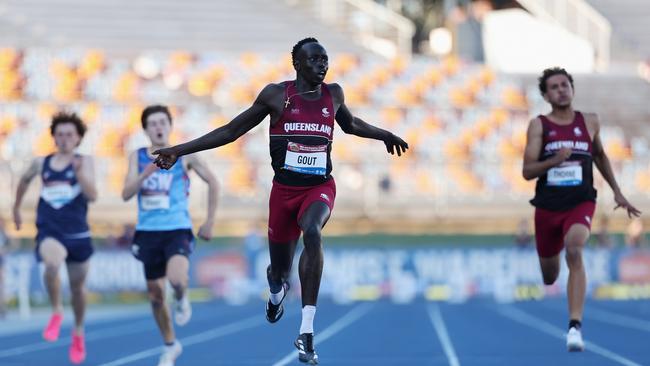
<point x="276" y="298"/>
<point x="307" y="325"/>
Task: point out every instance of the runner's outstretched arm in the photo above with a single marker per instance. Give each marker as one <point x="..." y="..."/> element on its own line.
<point x="602" y="163"/>
<point x="356" y="126"/>
<point x="33" y="170"/>
<point x="195" y="163"/>
<point x="223" y="135"/>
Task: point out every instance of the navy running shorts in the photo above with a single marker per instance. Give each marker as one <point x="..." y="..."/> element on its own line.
<point x="79" y="249"/>
<point x="154" y="248"/>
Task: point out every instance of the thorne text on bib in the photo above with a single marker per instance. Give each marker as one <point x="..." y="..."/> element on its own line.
<point x="567" y="174"/>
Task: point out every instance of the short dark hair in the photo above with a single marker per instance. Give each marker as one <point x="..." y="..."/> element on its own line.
<point x="64" y="117"/>
<point x="154" y="109"/>
<point x="546" y="74"/>
<point x="298" y="46"/>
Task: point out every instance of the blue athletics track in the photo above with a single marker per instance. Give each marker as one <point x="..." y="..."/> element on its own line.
<point x="476" y="332"/>
<point x="398" y="303"/>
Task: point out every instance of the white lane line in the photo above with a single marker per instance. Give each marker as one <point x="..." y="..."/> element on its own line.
<point x="96" y="334"/>
<point x="201" y="337"/>
<point x="531" y="321"/>
<point x="353" y="315"/>
<point x="441" y="330"/>
<point x="91" y="336"/>
<point x="624" y="321"/>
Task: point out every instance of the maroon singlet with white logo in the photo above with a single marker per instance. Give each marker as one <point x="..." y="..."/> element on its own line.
<point x="301" y="140"/>
<point x="571" y="183"/>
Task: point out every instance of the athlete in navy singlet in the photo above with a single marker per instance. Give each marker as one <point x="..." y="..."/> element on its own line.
<point x="560" y="150"/>
<point x="62" y="227"/>
<point x="163" y="239"/>
<point x="302" y="113"/>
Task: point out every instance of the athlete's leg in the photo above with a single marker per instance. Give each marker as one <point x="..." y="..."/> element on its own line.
<point x="311" y="259"/>
<point x="281" y="254"/>
<point x="549" y="243"/>
<point x="77" y="275"/>
<point x="311" y="269"/>
<point x="178" y="267"/>
<point x="550" y="268"/>
<point x="277" y="275"/>
<point x="156" y="292"/>
<point x="53" y="255"/>
<point x="575" y="240"/>
<point x="283" y="233"/>
<point x="77" y="272"/>
<point x="178" y="274"/>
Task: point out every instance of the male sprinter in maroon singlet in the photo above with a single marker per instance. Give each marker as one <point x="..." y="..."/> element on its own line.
<point x="302" y="113"/>
<point x="560" y="149"/>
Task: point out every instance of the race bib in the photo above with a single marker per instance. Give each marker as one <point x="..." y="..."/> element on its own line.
<point x="57" y="195"/>
<point x="306" y="159"/>
<point x="154" y="202"/>
<point x="567" y="174"/>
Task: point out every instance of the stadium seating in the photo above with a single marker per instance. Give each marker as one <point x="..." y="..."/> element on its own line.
<point x="465" y="123"/>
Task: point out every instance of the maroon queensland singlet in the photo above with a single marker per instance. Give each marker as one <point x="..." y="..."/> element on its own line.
<point x="571" y="183"/>
<point x="301" y="140"/>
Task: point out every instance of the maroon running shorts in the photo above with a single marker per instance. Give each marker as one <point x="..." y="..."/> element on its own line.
<point x="288" y="203"/>
<point x="552" y="226"/>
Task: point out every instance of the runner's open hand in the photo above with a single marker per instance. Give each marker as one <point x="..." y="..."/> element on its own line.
<point x="395" y="144"/>
<point x="622" y="202"/>
<point x="166" y="158"/>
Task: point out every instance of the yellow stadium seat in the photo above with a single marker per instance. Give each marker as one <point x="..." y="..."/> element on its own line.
<point x="92" y="63"/>
<point x="11" y="83"/>
<point x="451" y="65"/>
<point x="398" y="65"/>
<point x="8" y="124"/>
<point x="499" y="116"/>
<point x="460" y="98"/>
<point x="249" y="60"/>
<point x="90" y="112"/>
<point x="392" y="115"/>
<point x="44" y="144"/>
<point x="180" y="60"/>
<point x="116" y="173"/>
<point x="434" y="76"/>
<point x="9" y="58"/>
<point x="487" y="76"/>
<point x="431" y="124"/>
<point x="424" y="183"/>
<point x="200" y="85"/>
<point x="514" y="99"/>
<point x="45" y="111"/>
<point x="132" y="121"/>
<point x="126" y="88"/>
<point x="110" y="141"/>
<point x="406" y="97"/>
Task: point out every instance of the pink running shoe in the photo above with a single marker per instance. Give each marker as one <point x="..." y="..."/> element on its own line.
<point x="77" y="349"/>
<point x="51" y="332"/>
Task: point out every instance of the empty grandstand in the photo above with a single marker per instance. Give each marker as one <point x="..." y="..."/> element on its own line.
<point x="465" y="120"/>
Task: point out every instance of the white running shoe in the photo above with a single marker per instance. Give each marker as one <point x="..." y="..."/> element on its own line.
<point x="170" y="354"/>
<point x="574" y="342"/>
<point x="182" y="311"/>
